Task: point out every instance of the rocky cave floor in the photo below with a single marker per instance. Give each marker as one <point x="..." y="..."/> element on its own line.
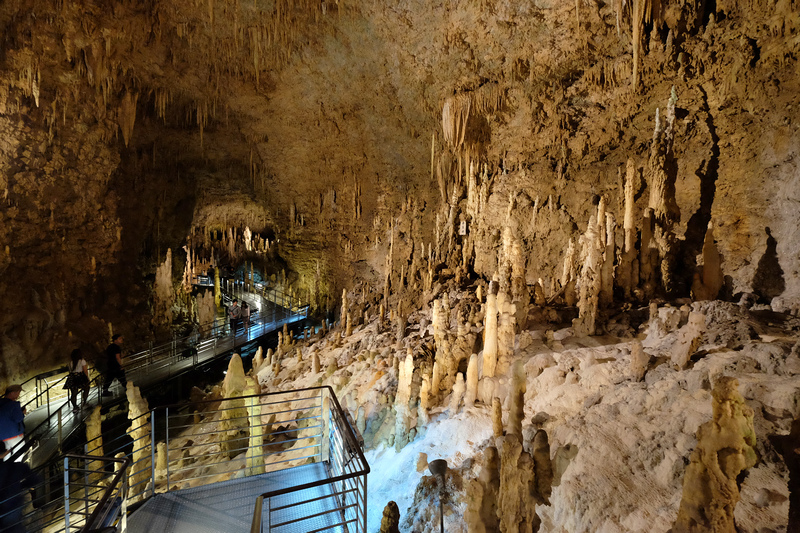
<point x="619" y="445"/>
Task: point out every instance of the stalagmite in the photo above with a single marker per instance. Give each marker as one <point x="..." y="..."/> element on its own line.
<point x="94" y="441"/>
<point x="516" y="509"/>
<point x="590" y="282"/>
<point x="348" y="330"/>
<point x="639" y="361"/>
<point x="217" y="289"/>
<point x="690" y="337"/>
<point x="542" y="466"/>
<point x="403" y="416"/>
<point x="707" y="286"/>
<point x="391" y="519"/>
<point x="424" y="403"/>
<point x="162" y="460"/>
<point x="490" y="334"/>
<point x="472" y="381"/>
<point x="458" y="394"/>
<point x="506" y="314"/>
<point x="648" y="256"/>
<point x="607" y="270"/>
<point x="258" y="360"/>
<point x="255" y="451"/>
<point x="497" y="417"/>
<point x="233" y="421"/>
<point x="725" y="447"/>
<point x="625" y="277"/>
<point x="660" y="176"/>
<point x="436" y="380"/>
<point x="206" y="312"/>
<point x="516" y="407"/>
<point x="139" y="432"/>
<point x="482" y="494"/>
<point x="315" y="363"/>
<point x="164" y="291"/>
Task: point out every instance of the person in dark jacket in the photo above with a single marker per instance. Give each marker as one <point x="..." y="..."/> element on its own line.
<point x="114" y="368"/>
<point x="12" y="428"/>
<point x="14" y="479"/>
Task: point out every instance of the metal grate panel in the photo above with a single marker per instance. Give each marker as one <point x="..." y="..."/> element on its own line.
<point x="227" y="507"/>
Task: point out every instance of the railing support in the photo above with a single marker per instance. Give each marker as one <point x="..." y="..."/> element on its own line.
<point x="66" y="494"/>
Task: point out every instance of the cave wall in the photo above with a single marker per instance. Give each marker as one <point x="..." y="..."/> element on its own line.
<point x="126" y="124"/>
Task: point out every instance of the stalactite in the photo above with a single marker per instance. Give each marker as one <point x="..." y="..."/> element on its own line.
<point x="127" y="115"/>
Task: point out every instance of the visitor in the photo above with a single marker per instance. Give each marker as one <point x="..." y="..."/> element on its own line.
<point x="13" y="478"/>
<point x="78" y="378"/>
<point x="246" y="316"/>
<point x="114" y="368"/>
<point x="235" y="313"/>
<point x="12" y="428"/>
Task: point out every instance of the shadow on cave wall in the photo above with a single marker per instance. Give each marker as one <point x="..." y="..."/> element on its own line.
<point x="768" y="281"/>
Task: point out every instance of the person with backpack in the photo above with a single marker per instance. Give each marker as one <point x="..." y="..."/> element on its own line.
<point x="114" y="368"/>
<point x="78" y="378"/>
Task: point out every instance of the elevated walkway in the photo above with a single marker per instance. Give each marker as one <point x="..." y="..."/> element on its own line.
<point x="50" y="420"/>
<point x="279" y="462"/>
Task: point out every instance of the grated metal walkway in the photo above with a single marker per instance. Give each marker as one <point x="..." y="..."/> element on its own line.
<point x="227" y="507"/>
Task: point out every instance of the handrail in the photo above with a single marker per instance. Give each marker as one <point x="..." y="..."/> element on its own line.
<point x="101" y="505"/>
<point x="361" y="471"/>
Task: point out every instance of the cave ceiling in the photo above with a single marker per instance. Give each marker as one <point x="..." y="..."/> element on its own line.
<point x="125" y="126"/>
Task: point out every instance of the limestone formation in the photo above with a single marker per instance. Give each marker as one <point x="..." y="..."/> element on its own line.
<point x="139" y="432"/>
<point x="639" y="361"/>
<point x="94" y="440"/>
<point x="458" y="393"/>
<point x="234" y="417"/>
<point x="490" y="334"/>
<point x="516" y="410"/>
<point x="482" y="494"/>
<point x="391" y="519"/>
<point x="516" y="506"/>
<point x="255" y="451"/>
<point x="497" y="417"/>
<point x="725" y="448"/>
<point x="164" y="293"/>
<point x="708" y="285"/>
<point x="590" y="282"/>
<point x="403" y="415"/>
<point x="472" y="381"/>
<point x="506" y="329"/>
<point x="689" y="339"/>
<point x="542" y="465"/>
<point x="424" y="403"/>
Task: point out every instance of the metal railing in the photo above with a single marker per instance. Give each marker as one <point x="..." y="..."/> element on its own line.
<point x="339" y="501"/>
<point x="166" y="359"/>
<point x="76" y="493"/>
<point x="187" y="445"/>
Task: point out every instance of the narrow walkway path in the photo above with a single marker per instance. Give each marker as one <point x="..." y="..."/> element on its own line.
<point x="49" y="425"/>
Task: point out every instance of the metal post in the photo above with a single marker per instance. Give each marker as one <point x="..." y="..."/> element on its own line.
<point x="153" y="453"/>
<point x="166" y="427"/>
<point x="60" y="437"/>
<point x="66" y="495"/>
<point x="47" y="390"/>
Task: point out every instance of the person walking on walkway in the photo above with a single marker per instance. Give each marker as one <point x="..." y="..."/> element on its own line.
<point x="12" y="428"/>
<point x="78" y="378"/>
<point x="14" y="477"/>
<point x="246" y="316"/>
<point x="114" y="368"/>
<point x="235" y="313"/>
